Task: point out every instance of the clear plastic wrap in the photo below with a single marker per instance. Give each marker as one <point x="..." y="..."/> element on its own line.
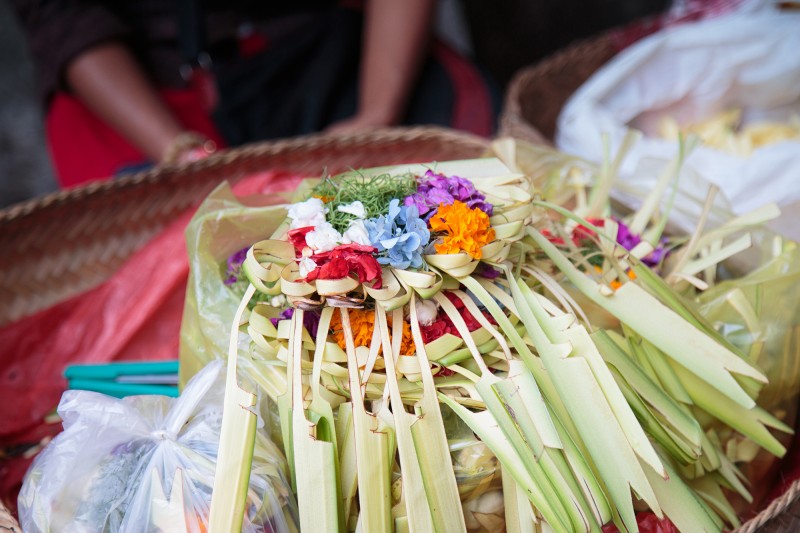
<point x="146" y="464"/>
<point x="760" y="314"/>
<point x="222" y="225"/>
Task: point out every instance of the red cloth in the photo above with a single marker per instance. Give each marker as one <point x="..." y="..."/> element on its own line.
<point x="648" y="523"/>
<point x="135" y="315"/>
<point x="472" y="107"/>
<point x="83" y="148"/>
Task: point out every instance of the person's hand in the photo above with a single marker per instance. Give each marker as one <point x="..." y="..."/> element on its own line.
<point x="186" y="147"/>
<point x="393" y="46"/>
<point x="358" y="123"/>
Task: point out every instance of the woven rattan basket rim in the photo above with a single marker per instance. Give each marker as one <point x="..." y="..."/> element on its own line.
<point x="7" y="522"/>
<point x="558" y="62"/>
<point x="253" y="151"/>
<point x="774" y="510"/>
<point x="65" y="243"/>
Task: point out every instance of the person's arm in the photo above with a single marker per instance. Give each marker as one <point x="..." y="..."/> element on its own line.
<point x="394" y="44"/>
<point x="107" y="79"/>
<point x="78" y="47"/>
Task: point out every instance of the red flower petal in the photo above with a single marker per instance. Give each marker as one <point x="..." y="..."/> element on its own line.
<point x="298" y="238"/>
<point x="582" y="233"/>
<point x="336" y="268"/>
<point x="366" y="267"/>
<point x="547" y="234"/>
<point x="358" y="248"/>
<point x="345" y="260"/>
<point x="434" y="331"/>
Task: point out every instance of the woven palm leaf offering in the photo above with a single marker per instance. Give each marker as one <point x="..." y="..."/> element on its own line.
<point x="456" y="346"/>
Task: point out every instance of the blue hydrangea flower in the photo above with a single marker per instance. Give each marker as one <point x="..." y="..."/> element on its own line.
<point x="400" y="236"/>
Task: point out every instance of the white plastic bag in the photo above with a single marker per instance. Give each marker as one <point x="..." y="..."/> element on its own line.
<point x="748" y="60"/>
<point x="146" y="464"/>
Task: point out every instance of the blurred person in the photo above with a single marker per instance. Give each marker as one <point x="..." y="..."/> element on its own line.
<point x="153" y="81"/>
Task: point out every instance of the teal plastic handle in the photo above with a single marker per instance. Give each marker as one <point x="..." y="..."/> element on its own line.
<point x="121" y="390"/>
<point x="112" y="371"/>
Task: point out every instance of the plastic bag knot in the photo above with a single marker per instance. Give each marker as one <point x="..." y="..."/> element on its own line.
<point x="163" y="434"/>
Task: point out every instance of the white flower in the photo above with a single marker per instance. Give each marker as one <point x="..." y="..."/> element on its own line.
<point x="306" y="266"/>
<point x="308" y="213"/>
<point x="323" y="238"/>
<point x="427" y="310"/>
<point x="277" y="301"/>
<point x="354" y="208"/>
<point x="356" y="233"/>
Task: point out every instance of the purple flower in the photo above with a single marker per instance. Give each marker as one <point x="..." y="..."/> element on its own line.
<point x="625" y="238"/>
<point x="286" y="314"/>
<point x="310" y="320"/>
<point x="629" y="240"/>
<point x="234" y="267"/>
<point x="435" y="189"/>
<point x="657" y="255"/>
<point x="487" y="271"/>
<point x="436" y="196"/>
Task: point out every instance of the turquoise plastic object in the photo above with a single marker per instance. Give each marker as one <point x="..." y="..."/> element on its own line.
<point x="121" y="390"/>
<point x="126" y="379"/>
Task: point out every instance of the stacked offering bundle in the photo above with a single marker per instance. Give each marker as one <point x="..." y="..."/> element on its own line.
<point x="423" y="329"/>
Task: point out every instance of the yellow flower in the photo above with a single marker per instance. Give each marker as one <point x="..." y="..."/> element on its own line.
<point x="464" y="229"/>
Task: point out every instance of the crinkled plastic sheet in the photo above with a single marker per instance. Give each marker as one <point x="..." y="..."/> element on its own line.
<point x="222" y="225"/>
<point x="760" y="314"/>
<point x="116" y="465"/>
<point x="135" y="315"/>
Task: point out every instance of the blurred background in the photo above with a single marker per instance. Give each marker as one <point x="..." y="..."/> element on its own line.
<point x="24" y="164"/>
<point x="500" y="37"/>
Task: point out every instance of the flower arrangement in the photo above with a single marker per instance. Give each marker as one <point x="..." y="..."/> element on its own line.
<point x="397" y="301"/>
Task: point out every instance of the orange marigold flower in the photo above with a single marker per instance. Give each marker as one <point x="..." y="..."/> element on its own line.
<point x="362" y="322"/>
<point x="616" y="284"/>
<point x="464" y="229"/>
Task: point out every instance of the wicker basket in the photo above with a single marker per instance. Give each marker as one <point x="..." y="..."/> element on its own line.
<point x="7" y="522"/>
<point x="532" y="105"/>
<point x="65" y="243"/>
<point x="536" y="94"/>
<point x="62" y="244"/>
